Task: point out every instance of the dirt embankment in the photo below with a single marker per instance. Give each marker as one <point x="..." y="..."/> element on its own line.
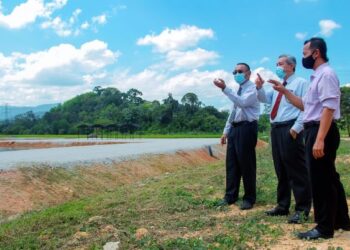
<point x="32" y="188"/>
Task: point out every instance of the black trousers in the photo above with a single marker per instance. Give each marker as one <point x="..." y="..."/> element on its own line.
<point x="328" y="194"/>
<point x="241" y="161"/>
<point x="292" y="174"/>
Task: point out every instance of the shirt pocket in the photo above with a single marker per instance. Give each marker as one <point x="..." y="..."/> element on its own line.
<point x="311" y="96"/>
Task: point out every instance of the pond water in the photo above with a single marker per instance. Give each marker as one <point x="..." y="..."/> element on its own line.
<point x="98" y="153"/>
<point x="9" y="149"/>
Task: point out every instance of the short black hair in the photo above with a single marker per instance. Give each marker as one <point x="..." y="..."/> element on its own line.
<point x="320" y="44"/>
<point x="246" y="65"/>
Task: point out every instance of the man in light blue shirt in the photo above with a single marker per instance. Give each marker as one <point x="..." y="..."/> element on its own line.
<point x="241" y="131"/>
<point x="288" y="150"/>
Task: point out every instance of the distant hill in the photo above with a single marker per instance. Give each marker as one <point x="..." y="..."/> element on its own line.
<point x="13" y="111"/>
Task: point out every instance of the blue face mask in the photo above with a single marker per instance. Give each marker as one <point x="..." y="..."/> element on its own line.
<point x="280" y="72"/>
<point x="240" y="78"/>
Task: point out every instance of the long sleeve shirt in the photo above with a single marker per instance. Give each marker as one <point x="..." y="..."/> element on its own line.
<point x="286" y="110"/>
<point x="245" y="107"/>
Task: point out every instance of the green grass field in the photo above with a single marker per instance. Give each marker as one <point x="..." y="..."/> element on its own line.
<point x="177" y="210"/>
<point x="264" y="135"/>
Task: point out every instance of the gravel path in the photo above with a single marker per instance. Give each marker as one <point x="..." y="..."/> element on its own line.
<point x="67" y="156"/>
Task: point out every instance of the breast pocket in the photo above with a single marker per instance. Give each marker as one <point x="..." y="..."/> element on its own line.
<point x="312" y="97"/>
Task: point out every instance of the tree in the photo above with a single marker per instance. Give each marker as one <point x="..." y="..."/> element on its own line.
<point x="128" y="110"/>
<point x="345" y="107"/>
<point x="190" y="99"/>
<point x="171" y="102"/>
<point x="133" y="96"/>
<point x="191" y="102"/>
<point x="98" y="90"/>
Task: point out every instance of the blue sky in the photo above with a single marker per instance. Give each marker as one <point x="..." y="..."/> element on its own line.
<point x="52" y="50"/>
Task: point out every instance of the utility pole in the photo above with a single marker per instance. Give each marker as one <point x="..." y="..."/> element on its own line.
<point x="6" y="113"/>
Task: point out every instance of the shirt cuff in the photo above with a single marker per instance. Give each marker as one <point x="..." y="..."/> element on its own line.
<point x="332" y="103"/>
<point x="297" y="128"/>
<point x="226" y="90"/>
<point x="227" y="130"/>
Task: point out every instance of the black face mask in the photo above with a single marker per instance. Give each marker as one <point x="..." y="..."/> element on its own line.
<point x="308" y="62"/>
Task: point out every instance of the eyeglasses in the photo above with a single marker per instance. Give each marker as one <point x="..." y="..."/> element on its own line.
<point x="235" y="72"/>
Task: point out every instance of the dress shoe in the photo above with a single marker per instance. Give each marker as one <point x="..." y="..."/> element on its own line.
<point x="277" y="211"/>
<point x="224" y="202"/>
<point x="313" y="234"/>
<point x="343" y="227"/>
<point x="298" y="218"/>
<point x="246" y="205"/>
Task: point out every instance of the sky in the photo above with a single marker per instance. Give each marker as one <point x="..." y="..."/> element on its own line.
<point x="53" y="50"/>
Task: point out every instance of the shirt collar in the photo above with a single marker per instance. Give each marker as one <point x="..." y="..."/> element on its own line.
<point x="319" y="70"/>
<point x="290" y="78"/>
<point x="244" y="85"/>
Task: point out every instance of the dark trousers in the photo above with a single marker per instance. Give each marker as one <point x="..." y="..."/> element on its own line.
<point x="292" y="174"/>
<point x="328" y="194"/>
<point x="241" y="161"/>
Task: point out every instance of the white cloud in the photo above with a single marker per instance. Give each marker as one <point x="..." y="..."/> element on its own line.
<point x="301" y="35"/>
<point x="156" y="85"/>
<point x="54" y="75"/>
<point x="22" y="95"/>
<point x="266" y="74"/>
<point x="63" y="28"/>
<point x="60" y="27"/>
<point x="327" y="27"/>
<point x="176" y="39"/>
<point x="191" y="59"/>
<point x="27" y="13"/>
<point x="264" y="59"/>
<point x="32" y="10"/>
<point x="102" y="19"/>
<point x="5" y="64"/>
<point x="53" y="6"/>
<point x="84" y="25"/>
<point x="95" y="22"/>
<point x="200" y="82"/>
<point x="74" y="16"/>
<point x="22" y="14"/>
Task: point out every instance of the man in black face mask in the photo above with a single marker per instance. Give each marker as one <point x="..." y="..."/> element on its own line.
<point x="321" y="106"/>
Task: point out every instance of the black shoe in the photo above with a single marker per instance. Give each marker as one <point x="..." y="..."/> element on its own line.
<point x="224" y="202"/>
<point x="277" y="211"/>
<point x="298" y="218"/>
<point x="246" y="205"/>
<point x="343" y="227"/>
<point x="313" y="234"/>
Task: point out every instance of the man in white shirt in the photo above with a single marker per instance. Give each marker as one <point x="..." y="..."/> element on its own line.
<point x="241" y="131"/>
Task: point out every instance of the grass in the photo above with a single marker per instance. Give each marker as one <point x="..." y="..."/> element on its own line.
<point x="262" y="135"/>
<point x="175" y="210"/>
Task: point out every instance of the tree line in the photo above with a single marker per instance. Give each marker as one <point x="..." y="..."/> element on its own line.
<point x="109" y="109"/>
<point x="112" y="110"/>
